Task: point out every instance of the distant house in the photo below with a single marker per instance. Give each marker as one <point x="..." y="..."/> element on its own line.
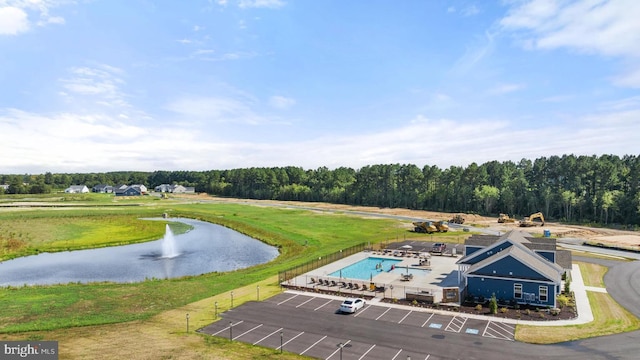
<point x="133" y="190"/>
<point x="515" y="267"/>
<point x="77" y="189"/>
<point x="174" y="189"/>
<point x="4" y="186"/>
<point x="102" y="188"/>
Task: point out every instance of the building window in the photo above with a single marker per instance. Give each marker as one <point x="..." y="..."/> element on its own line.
<point x="543" y="293"/>
<point x="517" y="291"/>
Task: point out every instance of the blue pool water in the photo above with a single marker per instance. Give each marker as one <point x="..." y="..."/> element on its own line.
<point x="415" y="272"/>
<point x="365" y="268"/>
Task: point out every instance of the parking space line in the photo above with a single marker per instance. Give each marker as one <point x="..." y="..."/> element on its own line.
<point x="338" y="349"/>
<point x="504" y="326"/>
<point x="398" y="353"/>
<point x="246" y="332"/>
<point x="284" y="301"/>
<point x="426" y="321"/>
<point x="290" y="340"/>
<point x="361" y="311"/>
<point x="297" y="306"/>
<point x="381" y="315"/>
<point x="227" y="328"/>
<point x="486" y="328"/>
<point x="498" y="331"/>
<point x="409" y="313"/>
<point x="366" y="352"/>
<point x="314" y="344"/>
<point x="428" y="356"/>
<point x="456" y="324"/>
<point x="255" y="343"/>
<point x="319" y="307"/>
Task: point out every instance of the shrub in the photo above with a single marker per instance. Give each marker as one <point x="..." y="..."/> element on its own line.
<point x="527" y="311"/>
<point x="414" y="302"/>
<point x="479" y="307"/>
<point x="541" y="315"/>
<point x="567" y="287"/>
<point x="562" y="300"/>
<point x="554" y="311"/>
<point x="504" y="310"/>
<point x="493" y="304"/>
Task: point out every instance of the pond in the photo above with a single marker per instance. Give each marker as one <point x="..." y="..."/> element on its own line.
<point x="204" y="249"/>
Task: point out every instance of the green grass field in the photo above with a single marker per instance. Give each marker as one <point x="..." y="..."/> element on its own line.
<point x="83" y="316"/>
<point x="300" y="235"/>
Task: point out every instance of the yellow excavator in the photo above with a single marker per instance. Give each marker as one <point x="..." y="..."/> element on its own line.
<point x="504" y="218"/>
<point x="528" y="220"/>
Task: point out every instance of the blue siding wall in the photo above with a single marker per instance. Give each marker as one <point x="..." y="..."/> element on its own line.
<point x="508" y="264"/>
<point x="503" y="289"/>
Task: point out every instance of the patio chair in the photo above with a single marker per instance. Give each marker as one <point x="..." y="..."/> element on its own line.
<point x="313" y="281"/>
<point x="333" y="283"/>
<point x="364" y="286"/>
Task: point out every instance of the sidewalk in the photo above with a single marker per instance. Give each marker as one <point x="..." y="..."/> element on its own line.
<point x="577" y="286"/>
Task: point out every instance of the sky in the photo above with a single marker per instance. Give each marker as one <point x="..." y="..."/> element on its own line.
<point x="142" y="85"/>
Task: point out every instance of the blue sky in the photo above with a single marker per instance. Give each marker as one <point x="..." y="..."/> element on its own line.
<point x="97" y="85"/>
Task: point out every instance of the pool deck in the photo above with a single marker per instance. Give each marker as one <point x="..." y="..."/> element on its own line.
<point x="443" y="274"/>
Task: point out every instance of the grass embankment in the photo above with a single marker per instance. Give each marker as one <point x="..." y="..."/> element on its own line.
<point x="29" y="232"/>
<point x="609" y="316"/>
<point x="164" y="336"/>
<point x="61" y="306"/>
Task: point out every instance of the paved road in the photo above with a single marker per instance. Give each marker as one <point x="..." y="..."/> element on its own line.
<point x="623" y="284"/>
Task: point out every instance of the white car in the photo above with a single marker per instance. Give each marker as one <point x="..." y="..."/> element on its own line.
<point x="351" y="305"/>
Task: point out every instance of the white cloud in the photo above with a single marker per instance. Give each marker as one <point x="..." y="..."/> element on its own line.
<point x="14" y="14"/>
<point x="13" y="21"/>
<point x="474" y="54"/>
<point x="602" y="27"/>
<point x="506" y="88"/>
<point x="281" y="102"/>
<point x="218" y="109"/>
<point x="470" y="10"/>
<point x="100" y="84"/>
<point x="272" y="4"/>
<point x="451" y="9"/>
<point x="35" y="143"/>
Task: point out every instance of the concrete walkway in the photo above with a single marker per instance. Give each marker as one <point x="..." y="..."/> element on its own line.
<point x="577" y="286"/>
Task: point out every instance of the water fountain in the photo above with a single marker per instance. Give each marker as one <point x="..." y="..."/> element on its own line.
<point x="169" y="244"/>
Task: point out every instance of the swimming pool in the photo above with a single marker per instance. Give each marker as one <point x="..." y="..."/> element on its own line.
<point x="365" y="269"/>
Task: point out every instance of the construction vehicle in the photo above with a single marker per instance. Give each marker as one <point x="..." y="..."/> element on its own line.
<point x="441" y="226"/>
<point x="430" y="227"/>
<point x="424" y="227"/>
<point x="457" y="219"/>
<point x="504" y="218"/>
<point x="528" y="220"/>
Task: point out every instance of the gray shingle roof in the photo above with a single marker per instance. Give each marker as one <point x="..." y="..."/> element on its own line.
<point x="549" y="270"/>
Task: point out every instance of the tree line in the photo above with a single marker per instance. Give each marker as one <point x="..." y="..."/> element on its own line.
<point x="583" y="189"/>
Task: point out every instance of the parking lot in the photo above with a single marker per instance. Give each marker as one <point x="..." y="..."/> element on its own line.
<point x="310" y="325"/>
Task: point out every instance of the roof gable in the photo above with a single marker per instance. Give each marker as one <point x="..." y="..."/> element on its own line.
<point x="544" y="268"/>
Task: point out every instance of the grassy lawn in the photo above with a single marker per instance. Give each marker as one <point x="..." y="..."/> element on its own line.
<point x="112" y="320"/>
<point x="28" y="232"/>
<point x="609" y="317"/>
<point x="300" y="235"/>
<point x="164" y="335"/>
